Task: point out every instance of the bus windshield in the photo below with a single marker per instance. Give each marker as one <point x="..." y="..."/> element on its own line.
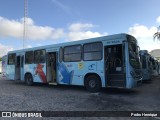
<point x="134" y="58"/>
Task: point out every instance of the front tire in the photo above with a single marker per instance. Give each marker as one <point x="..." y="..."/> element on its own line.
<point x="29" y="79"/>
<point x="93" y="83"/>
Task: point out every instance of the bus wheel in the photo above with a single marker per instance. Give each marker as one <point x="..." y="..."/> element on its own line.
<point x="93" y="83"/>
<point x="28" y="79"/>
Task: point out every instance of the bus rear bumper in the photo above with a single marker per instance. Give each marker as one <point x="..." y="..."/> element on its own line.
<point x="139" y="83"/>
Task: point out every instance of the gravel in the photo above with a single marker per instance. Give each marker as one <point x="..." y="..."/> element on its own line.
<point x="16" y="96"/>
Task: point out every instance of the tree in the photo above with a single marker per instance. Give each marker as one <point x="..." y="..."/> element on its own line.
<point x="157" y="34"/>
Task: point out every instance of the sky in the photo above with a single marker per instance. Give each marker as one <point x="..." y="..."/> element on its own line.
<point x="58" y="21"/>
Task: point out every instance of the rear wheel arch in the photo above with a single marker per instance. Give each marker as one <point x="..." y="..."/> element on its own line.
<point x="92" y="82"/>
<point x="28" y="78"/>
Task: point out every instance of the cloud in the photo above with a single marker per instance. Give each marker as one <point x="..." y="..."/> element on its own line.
<point x="10" y="28"/>
<point x="80" y="26"/>
<point x="43" y="33"/>
<point x="4" y="49"/>
<point x="75" y="31"/>
<point x="29" y="21"/>
<point x="144" y="36"/>
<point x="78" y="31"/>
<point x="140" y="31"/>
<point x="158" y="19"/>
<point x="62" y="6"/>
<point x="82" y="35"/>
<point x="14" y="28"/>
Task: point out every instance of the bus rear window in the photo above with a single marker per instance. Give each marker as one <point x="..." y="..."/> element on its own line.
<point x="11" y="59"/>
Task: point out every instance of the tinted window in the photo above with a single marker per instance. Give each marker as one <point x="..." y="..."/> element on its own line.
<point x="22" y="61"/>
<point x="11" y="59"/>
<point x="29" y="57"/>
<point x="39" y="56"/>
<point x="144" y="65"/>
<point x="93" y="51"/>
<point x="60" y="54"/>
<point x="72" y="53"/>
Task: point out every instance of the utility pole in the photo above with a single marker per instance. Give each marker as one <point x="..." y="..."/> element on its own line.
<point x="25" y="21"/>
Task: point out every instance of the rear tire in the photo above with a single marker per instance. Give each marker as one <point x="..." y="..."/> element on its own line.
<point x="29" y="79"/>
<point x="93" y="83"/>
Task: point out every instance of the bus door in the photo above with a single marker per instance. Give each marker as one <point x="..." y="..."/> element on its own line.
<point x="22" y="67"/>
<point x="18" y="68"/>
<point x="51" y="67"/>
<point x="114" y="66"/>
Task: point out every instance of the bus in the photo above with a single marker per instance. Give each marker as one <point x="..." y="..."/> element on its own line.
<point x="158" y="68"/>
<point x="95" y="63"/>
<point x="146" y="64"/>
<point x="4" y="66"/>
<point x="155" y="66"/>
<point x="0" y="67"/>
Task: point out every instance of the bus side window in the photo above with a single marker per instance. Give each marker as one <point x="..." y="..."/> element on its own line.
<point x="18" y="61"/>
<point x="39" y="56"/>
<point x="92" y="51"/>
<point x="29" y="57"/>
<point x="60" y="54"/>
<point x="11" y="59"/>
<point x="72" y="53"/>
<point x="22" y="61"/>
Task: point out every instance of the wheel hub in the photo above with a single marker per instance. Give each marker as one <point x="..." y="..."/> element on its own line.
<point x="92" y="83"/>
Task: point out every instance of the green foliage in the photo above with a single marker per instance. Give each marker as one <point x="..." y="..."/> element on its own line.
<point x="0" y="59"/>
<point x="156" y="36"/>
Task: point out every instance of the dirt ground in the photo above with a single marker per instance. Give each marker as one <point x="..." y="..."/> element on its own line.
<point x="16" y="96"/>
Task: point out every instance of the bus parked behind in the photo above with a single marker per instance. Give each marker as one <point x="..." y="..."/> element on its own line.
<point x="146" y="64"/>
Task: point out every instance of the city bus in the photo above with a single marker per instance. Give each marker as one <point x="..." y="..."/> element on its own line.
<point x="146" y="64"/>
<point x="4" y="67"/>
<point x="154" y="66"/>
<point x="107" y="61"/>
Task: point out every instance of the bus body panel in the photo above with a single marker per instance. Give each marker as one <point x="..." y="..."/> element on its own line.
<point x="11" y="72"/>
<point x="146" y="64"/>
<point x="38" y="72"/>
<point x="73" y="73"/>
<point x="4" y="66"/>
<point x="131" y="82"/>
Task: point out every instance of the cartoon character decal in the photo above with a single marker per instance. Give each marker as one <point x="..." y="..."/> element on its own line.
<point x="39" y="71"/>
<point x="67" y="76"/>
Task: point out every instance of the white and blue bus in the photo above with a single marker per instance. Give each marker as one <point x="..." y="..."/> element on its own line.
<point x="146" y="64"/>
<point x="154" y="66"/>
<point x="4" y="66"/>
<point x="108" y="61"/>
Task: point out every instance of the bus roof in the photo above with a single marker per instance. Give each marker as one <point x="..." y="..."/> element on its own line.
<point x="96" y="39"/>
<point x="144" y="51"/>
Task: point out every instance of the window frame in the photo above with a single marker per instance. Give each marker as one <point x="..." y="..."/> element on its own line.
<point x="61" y="54"/>
<point x="81" y="51"/>
<point x="93" y="51"/>
<point x="44" y="56"/>
<point x="144" y="62"/>
<point x="14" y="61"/>
<point x="32" y="56"/>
